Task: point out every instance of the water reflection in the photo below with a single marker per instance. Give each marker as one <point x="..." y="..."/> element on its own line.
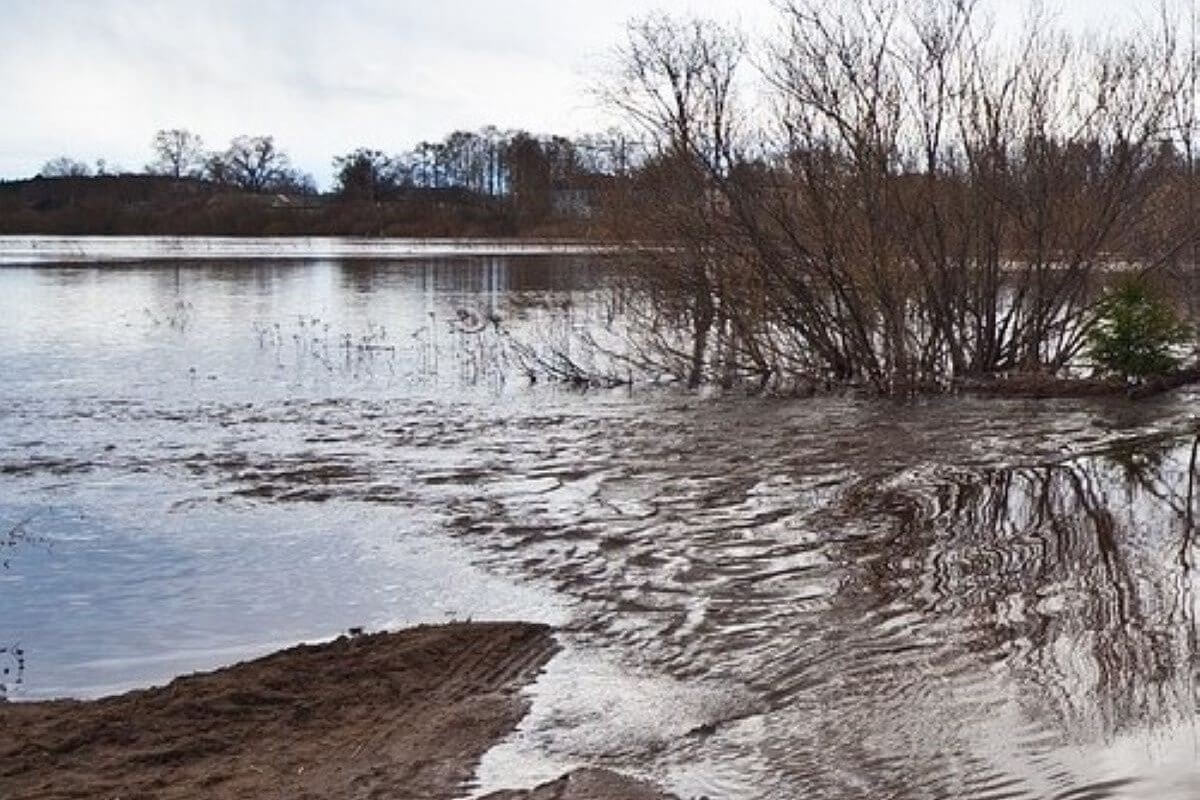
<point x="1070" y="584"/>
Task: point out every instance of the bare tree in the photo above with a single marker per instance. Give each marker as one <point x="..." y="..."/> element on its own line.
<point x="179" y="153"/>
<point x="365" y="174"/>
<point x="674" y="79"/>
<point x="254" y="163"/>
<point x="64" y="167"/>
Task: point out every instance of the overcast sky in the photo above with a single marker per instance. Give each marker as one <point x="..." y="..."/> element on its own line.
<point x="95" y="78"/>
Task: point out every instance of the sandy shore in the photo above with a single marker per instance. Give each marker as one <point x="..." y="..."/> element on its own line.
<point x="395" y="715"/>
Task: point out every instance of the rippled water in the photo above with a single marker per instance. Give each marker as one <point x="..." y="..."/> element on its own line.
<point x="828" y="598"/>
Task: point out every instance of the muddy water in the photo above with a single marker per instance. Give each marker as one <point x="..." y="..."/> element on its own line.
<point x="828" y="598"/>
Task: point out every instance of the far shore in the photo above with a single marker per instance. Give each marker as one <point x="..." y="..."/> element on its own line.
<point x="32" y="250"/>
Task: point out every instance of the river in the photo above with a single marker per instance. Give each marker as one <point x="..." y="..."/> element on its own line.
<point x="210" y="454"/>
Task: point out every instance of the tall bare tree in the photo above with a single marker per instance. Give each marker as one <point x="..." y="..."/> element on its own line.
<point x="674" y="79"/>
<point x="178" y="153"/>
<point x="254" y="163"/>
<point x="64" y="167"/>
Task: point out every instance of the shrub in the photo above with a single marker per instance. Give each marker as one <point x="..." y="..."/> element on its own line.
<point x="1135" y="332"/>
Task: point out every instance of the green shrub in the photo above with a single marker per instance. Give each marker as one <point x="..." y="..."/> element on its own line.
<point x="1135" y="332"/>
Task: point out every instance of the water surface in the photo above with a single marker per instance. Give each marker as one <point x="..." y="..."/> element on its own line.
<point x="830" y="598"/>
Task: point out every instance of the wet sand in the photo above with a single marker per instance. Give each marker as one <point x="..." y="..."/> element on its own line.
<point x="396" y="715"/>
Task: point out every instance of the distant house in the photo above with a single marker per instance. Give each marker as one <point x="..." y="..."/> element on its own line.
<point x="296" y="202"/>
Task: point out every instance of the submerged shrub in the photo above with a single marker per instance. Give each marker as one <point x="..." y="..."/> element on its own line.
<point x="1135" y="332"/>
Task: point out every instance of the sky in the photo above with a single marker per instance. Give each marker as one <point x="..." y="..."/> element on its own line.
<point x="96" y="78"/>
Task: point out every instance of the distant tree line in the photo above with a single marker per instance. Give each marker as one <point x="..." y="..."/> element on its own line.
<point x="515" y="165"/>
<point x="515" y="177"/>
<point x="489" y="162"/>
<point x="489" y="182"/>
<point x="251" y="163"/>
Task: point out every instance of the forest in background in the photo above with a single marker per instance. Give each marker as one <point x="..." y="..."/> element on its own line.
<point x="483" y="183"/>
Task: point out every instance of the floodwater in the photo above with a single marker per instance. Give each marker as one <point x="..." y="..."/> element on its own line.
<point x="127" y="249"/>
<point x="206" y="459"/>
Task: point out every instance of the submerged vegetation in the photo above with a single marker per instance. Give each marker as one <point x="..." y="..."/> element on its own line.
<point x="12" y="655"/>
<point x="924" y="203"/>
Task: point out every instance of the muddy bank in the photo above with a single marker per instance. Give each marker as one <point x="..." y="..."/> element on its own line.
<point x="404" y="714"/>
<point x="1040" y="387"/>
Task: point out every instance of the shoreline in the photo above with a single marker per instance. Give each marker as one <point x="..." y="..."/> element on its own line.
<point x="26" y="250"/>
<point x="403" y="714"/>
